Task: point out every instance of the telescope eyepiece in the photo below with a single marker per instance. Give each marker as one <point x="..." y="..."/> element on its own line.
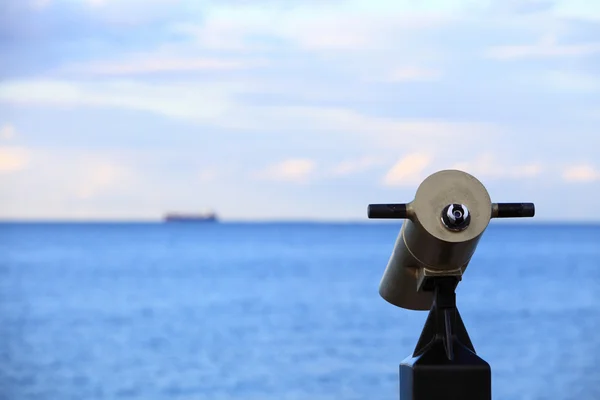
<point x="456" y="217"/>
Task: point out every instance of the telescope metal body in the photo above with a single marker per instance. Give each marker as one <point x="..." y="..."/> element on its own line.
<point x="442" y="228"/>
<point x="428" y="246"/>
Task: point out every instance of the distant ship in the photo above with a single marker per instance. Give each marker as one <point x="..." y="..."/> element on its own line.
<point x="180" y="217"/>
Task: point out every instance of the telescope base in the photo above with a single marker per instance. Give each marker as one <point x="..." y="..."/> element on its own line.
<point x="444" y="365"/>
<point x="431" y="376"/>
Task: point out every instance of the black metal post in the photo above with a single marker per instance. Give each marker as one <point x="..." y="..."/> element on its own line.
<point x="444" y="365"/>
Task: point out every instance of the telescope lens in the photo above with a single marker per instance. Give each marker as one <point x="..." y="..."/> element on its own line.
<point x="455" y="217"/>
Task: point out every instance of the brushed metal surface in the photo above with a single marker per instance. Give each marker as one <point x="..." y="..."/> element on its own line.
<point x="425" y="243"/>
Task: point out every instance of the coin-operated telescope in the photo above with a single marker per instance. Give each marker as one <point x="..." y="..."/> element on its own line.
<point x="442" y="227"/>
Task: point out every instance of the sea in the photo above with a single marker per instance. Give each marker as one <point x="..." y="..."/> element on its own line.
<point x="281" y="311"/>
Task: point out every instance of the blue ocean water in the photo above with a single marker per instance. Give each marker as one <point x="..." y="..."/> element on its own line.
<point x="279" y="311"/>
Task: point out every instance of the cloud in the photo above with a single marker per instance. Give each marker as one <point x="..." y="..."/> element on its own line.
<point x="291" y="78"/>
<point x="198" y="101"/>
<point x="210" y="29"/>
<point x="524" y="6"/>
<point x="102" y="183"/>
<point x="488" y="166"/>
<point x="149" y="64"/>
<point x="40" y="4"/>
<point x="546" y="48"/>
<point x="412" y="169"/>
<point x="134" y="13"/>
<point x="98" y="177"/>
<point x="7" y="132"/>
<point x="207" y="175"/>
<point x="414" y="74"/>
<point x="570" y="81"/>
<point x="382" y="132"/>
<point x="577" y="9"/>
<point x="13" y="159"/>
<point x="409" y="170"/>
<point x="354" y="166"/>
<point x="582" y="173"/>
<point x="217" y="105"/>
<point x="344" y="26"/>
<point x="293" y="170"/>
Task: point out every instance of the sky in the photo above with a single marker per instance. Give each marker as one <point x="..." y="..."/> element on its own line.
<point x="272" y="109"/>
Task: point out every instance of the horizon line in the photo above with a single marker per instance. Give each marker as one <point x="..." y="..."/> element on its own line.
<point x="526" y="221"/>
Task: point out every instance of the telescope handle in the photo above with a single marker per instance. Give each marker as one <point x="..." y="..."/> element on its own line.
<point x="513" y="210"/>
<point x="387" y="211"/>
<point x="499" y="210"/>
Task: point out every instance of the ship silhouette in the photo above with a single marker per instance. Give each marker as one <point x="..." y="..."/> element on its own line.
<point x="209" y="216"/>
